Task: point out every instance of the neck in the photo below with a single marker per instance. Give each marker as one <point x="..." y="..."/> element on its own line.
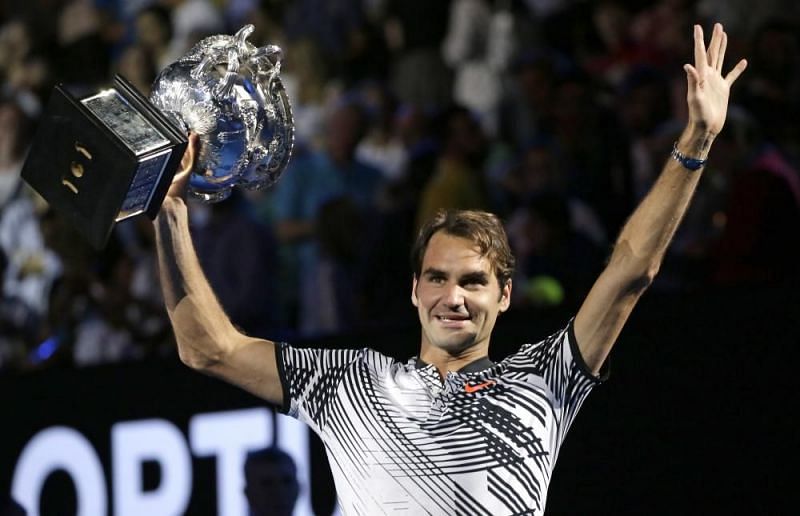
<point x="445" y="361"/>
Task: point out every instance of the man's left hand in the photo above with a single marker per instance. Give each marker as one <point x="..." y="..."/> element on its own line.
<point x="708" y="90"/>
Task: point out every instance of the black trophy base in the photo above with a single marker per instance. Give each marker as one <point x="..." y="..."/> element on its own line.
<point x="103" y="158"/>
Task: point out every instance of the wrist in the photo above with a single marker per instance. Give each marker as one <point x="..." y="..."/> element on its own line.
<point x="172" y="209"/>
<point x="695" y="142"/>
<point x="688" y="162"/>
<point x="173" y="202"/>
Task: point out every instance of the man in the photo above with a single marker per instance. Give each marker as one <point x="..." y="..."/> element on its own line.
<point x="271" y="485"/>
<point x="450" y="432"/>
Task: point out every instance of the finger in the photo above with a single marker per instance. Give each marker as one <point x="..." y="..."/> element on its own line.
<point x="692" y="77"/>
<point x="723" y="46"/>
<point x="187" y="160"/>
<point x="736" y="72"/>
<point x="700" y="58"/>
<point x="713" y="46"/>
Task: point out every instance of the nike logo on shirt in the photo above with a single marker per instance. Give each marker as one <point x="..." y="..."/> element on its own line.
<point x="475" y="388"/>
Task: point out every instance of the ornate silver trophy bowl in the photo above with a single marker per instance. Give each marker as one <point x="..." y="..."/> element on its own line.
<point x="230" y="93"/>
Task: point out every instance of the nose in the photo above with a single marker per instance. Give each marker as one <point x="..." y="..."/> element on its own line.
<point x="453" y="295"/>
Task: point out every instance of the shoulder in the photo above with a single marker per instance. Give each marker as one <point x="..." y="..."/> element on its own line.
<point x="543" y="350"/>
<point x="557" y="352"/>
<point x="337" y="357"/>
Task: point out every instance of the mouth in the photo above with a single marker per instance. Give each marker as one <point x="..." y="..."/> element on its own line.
<point x="453" y="320"/>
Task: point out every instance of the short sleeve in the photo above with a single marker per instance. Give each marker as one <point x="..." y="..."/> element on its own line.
<point x="311" y="379"/>
<point x="557" y="360"/>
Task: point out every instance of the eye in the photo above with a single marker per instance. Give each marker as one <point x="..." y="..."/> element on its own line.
<point x="474" y="282"/>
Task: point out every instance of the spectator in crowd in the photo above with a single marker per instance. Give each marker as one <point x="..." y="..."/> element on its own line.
<point x="29" y="267"/>
<point x="336" y="27"/>
<point x="152" y="35"/>
<point x="24" y="70"/>
<point x="381" y="146"/>
<point x="557" y="263"/>
<point x="271" y="485"/>
<point x="526" y="109"/>
<point x="311" y="181"/>
<point x="414" y="30"/>
<point x="84" y="55"/>
<point x="458" y="181"/>
<point x="239" y="257"/>
<point x="764" y="207"/>
<point x="305" y="79"/>
<point x="192" y="20"/>
<point x="478" y="45"/>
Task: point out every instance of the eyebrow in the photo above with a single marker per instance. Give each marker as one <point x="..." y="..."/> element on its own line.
<point x="475" y="277"/>
<point x="470" y="277"/>
<point x="430" y="271"/>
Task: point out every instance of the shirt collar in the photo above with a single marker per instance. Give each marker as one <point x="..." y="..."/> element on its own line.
<point x="475" y="366"/>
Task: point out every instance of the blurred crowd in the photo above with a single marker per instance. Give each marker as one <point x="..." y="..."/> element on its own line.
<point x="555" y="114"/>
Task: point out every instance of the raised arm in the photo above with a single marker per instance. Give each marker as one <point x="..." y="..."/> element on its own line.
<point x="207" y="340"/>
<point x="640" y="246"/>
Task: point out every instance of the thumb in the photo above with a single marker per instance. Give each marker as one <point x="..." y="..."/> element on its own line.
<point x="692" y="76"/>
<point x="189" y="155"/>
<point x="181" y="179"/>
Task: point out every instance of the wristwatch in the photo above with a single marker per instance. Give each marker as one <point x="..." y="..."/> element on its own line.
<point x="687" y="162"/>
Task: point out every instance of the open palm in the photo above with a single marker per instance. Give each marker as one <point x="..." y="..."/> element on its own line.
<point x="708" y="90"/>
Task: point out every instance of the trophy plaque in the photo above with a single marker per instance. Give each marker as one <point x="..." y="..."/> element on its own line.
<point x="111" y="155"/>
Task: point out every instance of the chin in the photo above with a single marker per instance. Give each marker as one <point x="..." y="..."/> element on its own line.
<point x="455" y="346"/>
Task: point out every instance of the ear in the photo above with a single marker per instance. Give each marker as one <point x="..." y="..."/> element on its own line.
<point x="414" y="299"/>
<point x="505" y="296"/>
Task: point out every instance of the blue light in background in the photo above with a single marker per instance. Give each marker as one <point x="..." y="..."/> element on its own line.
<point x="46" y="349"/>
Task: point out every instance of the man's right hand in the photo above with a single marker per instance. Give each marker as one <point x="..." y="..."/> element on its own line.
<point x="180" y="182"/>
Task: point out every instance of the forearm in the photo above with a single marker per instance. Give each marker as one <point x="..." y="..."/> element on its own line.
<point x="202" y="330"/>
<point x="644" y="239"/>
<point x="652" y="225"/>
<point x="638" y="252"/>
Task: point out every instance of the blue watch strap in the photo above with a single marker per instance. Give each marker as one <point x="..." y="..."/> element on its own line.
<point x="687" y="162"/>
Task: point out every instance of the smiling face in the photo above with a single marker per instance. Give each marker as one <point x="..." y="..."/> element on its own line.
<point x="458" y="298"/>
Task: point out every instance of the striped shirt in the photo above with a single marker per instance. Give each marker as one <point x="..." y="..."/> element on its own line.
<point x="399" y="439"/>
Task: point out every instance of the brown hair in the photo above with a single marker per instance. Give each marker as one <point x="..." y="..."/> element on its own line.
<point x="484" y="229"/>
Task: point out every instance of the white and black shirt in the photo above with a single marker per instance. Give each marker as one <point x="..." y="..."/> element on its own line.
<point x="483" y="441"/>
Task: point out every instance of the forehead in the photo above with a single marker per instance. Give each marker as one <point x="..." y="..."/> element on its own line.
<point x="454" y="254"/>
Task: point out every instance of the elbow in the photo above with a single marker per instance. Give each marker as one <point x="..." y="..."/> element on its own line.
<point x="201" y="340"/>
<point x="636" y="272"/>
<point x="200" y="358"/>
<point x="193" y="360"/>
<point x="639" y="283"/>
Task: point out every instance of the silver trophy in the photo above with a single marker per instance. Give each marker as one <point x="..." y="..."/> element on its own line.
<point x="230" y="93"/>
<point x="105" y="157"/>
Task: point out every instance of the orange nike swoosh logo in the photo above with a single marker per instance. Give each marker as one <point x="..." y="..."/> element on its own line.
<point x="475" y="388"/>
